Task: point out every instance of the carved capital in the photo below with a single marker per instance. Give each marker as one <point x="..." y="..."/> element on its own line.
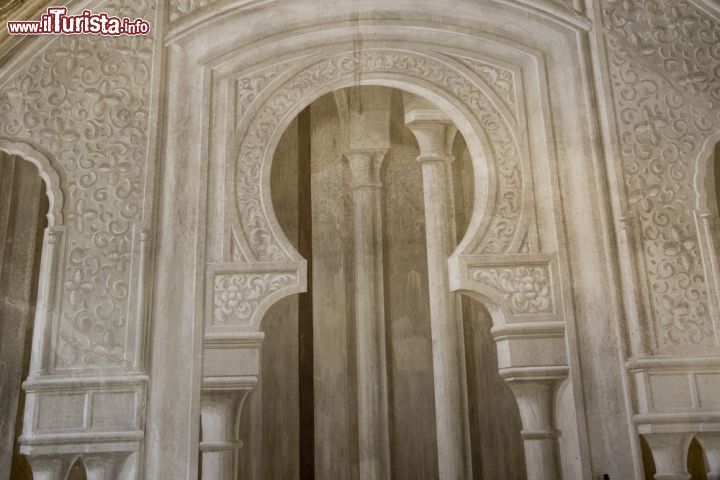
<point x="710" y="442"/>
<point x="670" y="451"/>
<point x="534" y="389"/>
<point x="365" y="167"/>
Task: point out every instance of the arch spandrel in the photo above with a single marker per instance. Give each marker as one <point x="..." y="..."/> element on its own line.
<point x="516" y="289"/>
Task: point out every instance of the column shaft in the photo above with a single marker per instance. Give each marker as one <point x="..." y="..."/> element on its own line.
<point x="446" y="325"/>
<point x="373" y="430"/>
<point x="219" y="411"/>
<point x="535" y="402"/>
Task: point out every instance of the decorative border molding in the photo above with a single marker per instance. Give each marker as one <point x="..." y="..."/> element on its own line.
<point x="47" y="172"/>
<point x="262" y="126"/>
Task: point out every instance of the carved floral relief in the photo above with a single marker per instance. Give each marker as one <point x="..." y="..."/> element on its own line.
<point x="674" y="37"/>
<point x="526" y="288"/>
<point x="84" y="100"/>
<point x="236" y="296"/>
<point x="664" y="60"/>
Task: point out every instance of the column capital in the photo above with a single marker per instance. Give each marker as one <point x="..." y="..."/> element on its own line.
<point x="433" y="130"/>
<point x="710" y="442"/>
<point x="670" y="452"/>
<point x="365" y="167"/>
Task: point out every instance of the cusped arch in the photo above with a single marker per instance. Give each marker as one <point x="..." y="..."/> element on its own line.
<point x="46" y="171"/>
<point x="498" y="221"/>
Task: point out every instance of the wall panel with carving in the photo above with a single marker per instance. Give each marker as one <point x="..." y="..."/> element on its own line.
<point x="664" y="71"/>
<point x="85" y="102"/>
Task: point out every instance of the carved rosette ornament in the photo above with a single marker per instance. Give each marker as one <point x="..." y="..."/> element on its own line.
<point x="260" y="241"/>
<point x="664" y="60"/>
<point x="526" y="289"/>
<point x="237" y="296"/>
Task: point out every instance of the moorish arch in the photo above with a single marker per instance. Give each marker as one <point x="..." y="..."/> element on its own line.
<point x="229" y="80"/>
<point x="499" y="261"/>
<point x="485" y="84"/>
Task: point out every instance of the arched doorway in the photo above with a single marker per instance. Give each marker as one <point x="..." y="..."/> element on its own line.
<point x="254" y="95"/>
<point x="319" y="203"/>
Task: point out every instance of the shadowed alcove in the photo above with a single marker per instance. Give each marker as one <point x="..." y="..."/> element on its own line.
<point x="302" y="419"/>
<point x="23" y="218"/>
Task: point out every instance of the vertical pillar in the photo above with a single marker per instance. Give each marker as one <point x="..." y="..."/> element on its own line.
<point x="373" y="429"/>
<point x="219" y="413"/>
<point x="369" y="139"/>
<point x="535" y="398"/>
<point x="42" y="330"/>
<point x="670" y="451"/>
<point x="710" y="443"/>
<point x="431" y="127"/>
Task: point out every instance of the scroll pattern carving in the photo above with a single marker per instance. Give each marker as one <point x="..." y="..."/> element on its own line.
<point x="501" y="81"/>
<point x="247" y="88"/>
<point x="237" y="296"/>
<point x="85" y="100"/>
<point x="180" y="8"/>
<point x="660" y="135"/>
<point x="253" y="222"/>
<point x="677" y="38"/>
<point x="527" y="289"/>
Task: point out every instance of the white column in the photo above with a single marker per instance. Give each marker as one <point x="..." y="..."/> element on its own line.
<point x="710" y="443"/>
<point x="219" y="446"/>
<point x="535" y="398"/>
<point x="368" y="139"/>
<point x="670" y="451"/>
<point x="431" y="128"/>
<point x="373" y="430"/>
<point x="44" y="315"/>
